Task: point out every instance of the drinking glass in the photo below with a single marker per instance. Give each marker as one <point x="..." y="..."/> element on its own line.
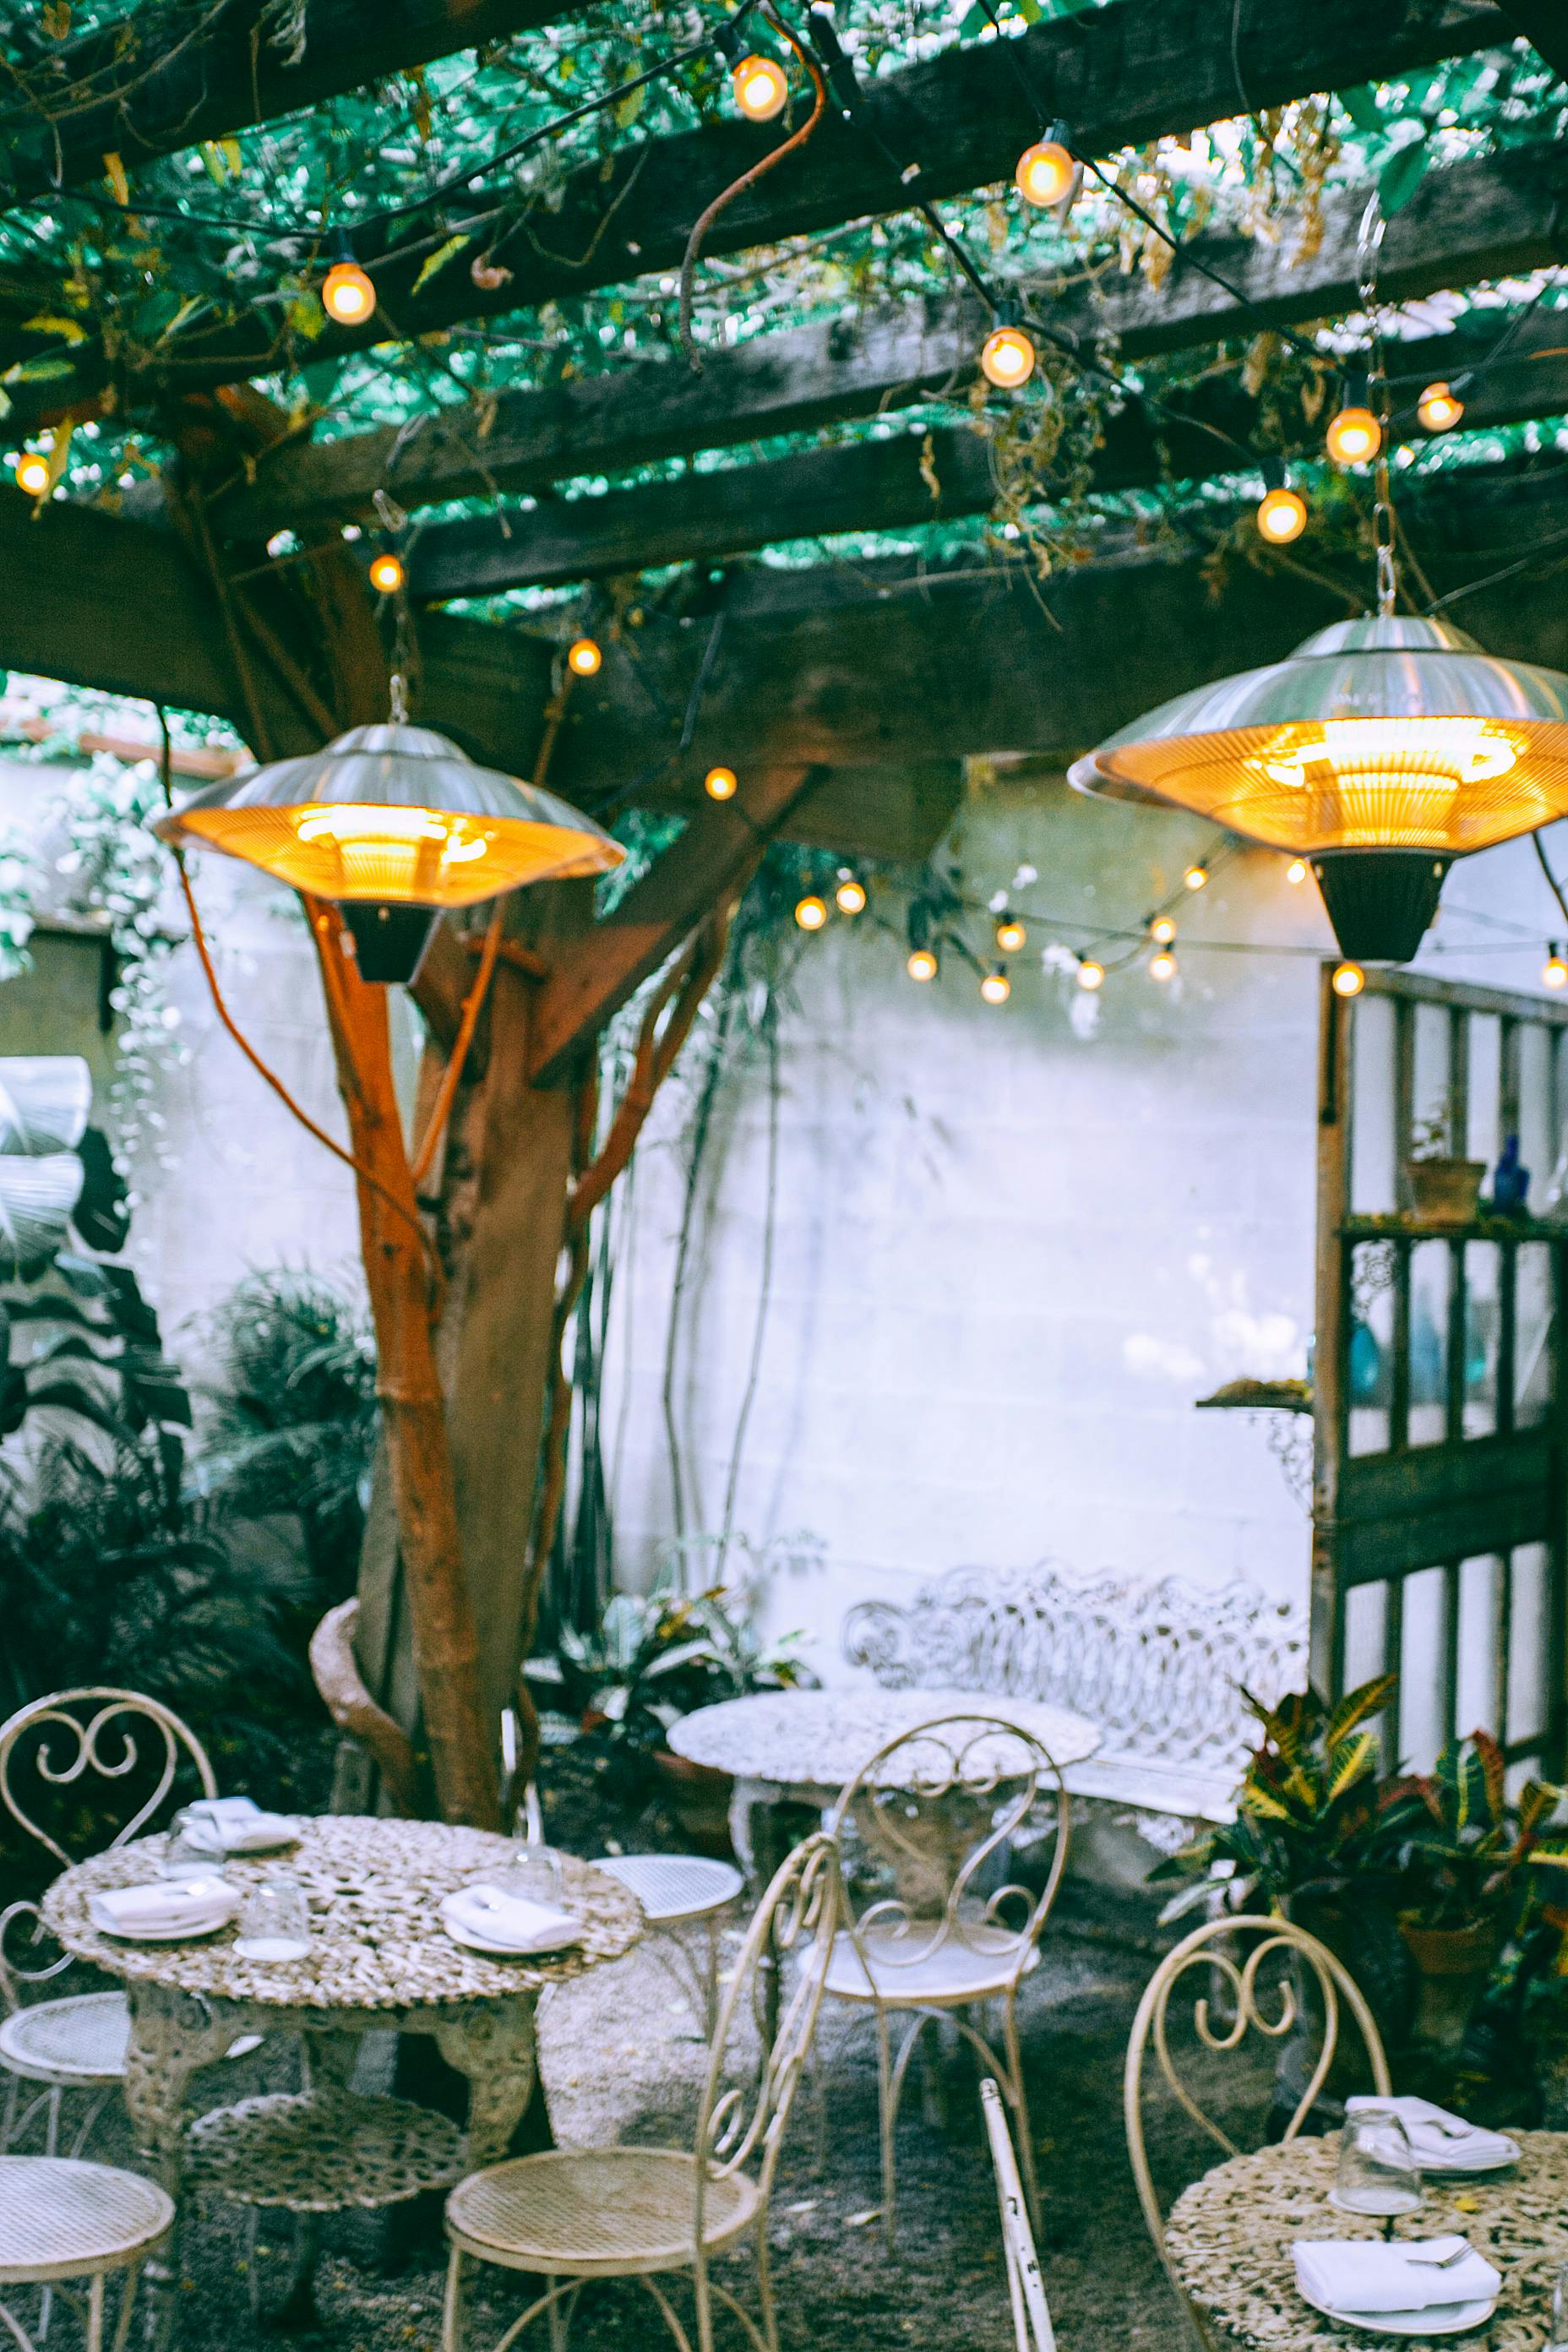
<point x="1377" y="2171"/>
<point x="1557" y="2340"/>
<point x="274" y="1920"/>
<point x="186" y="1853"/>
<point x="535" y="1872"/>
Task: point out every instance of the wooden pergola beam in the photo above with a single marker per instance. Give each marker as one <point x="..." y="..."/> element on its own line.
<point x="896" y="483"/>
<point x="151" y="85"/>
<point x="1477" y="220"/>
<point x="1119" y="75"/>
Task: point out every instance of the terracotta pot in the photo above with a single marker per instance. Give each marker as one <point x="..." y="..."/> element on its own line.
<point x="1448" y="1189"/>
<point x="1452" y="1965"/>
<point x="699" y="1797"/>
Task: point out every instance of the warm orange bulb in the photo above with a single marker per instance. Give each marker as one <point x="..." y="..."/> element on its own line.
<point x="1438" y="409"/>
<point x="1349" y="980"/>
<point x="921" y="964"/>
<point x="1007" y="358"/>
<point x="1045" y="172"/>
<point x="719" y="783"/>
<point x="1281" y="517"/>
<point x="1355" y="435"/>
<point x="760" y="88"/>
<point x="33" y="473"/>
<point x="386" y="573"/>
<point x="811" y="913"/>
<point x="1010" y="935"/>
<point x="583" y="657"/>
<point x="1163" y="965"/>
<point x="1297" y="871"/>
<point x="996" y="988"/>
<point x="1162" y="930"/>
<point x="850" y="895"/>
<point x="1554" y="971"/>
<point x="347" y="294"/>
<point x="1196" y="877"/>
<point x="1089" y="973"/>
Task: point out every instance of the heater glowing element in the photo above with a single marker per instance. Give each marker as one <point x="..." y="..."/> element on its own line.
<point x="760" y="88"/>
<point x="347" y="294"/>
<point x="1045" y="173"/>
<point x="1381" y="783"/>
<point x="1007" y="358"/>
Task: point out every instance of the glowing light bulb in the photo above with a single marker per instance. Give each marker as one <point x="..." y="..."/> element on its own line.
<point x="850" y="895"/>
<point x="1162" y="930"/>
<point x="1297" y="871"/>
<point x="719" y="783"/>
<point x="1554" y="971"/>
<point x="386" y="573"/>
<point x="33" y="473"/>
<point x="1196" y="877"/>
<point x="1281" y="516"/>
<point x="760" y="88"/>
<point x="583" y="657"/>
<point x="1010" y="935"/>
<point x="921" y="964"/>
<point x="1007" y="358"/>
<point x="1163" y="965"/>
<point x="811" y="913"/>
<point x="1438" y="409"/>
<point x="1089" y="973"/>
<point x="1045" y="172"/>
<point x="996" y="988"/>
<point x="347" y="294"/>
<point x="1349" y="980"/>
<point x="1355" y="435"/>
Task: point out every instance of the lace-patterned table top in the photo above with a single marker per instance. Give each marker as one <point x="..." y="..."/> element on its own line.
<point x="1229" y="2238"/>
<point x="376" y="1941"/>
<point x="820" y="1738"/>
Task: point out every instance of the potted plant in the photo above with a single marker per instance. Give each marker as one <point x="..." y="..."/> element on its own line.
<point x="653" y="1657"/>
<point x="1458" y="1844"/>
<point x="1444" y="1187"/>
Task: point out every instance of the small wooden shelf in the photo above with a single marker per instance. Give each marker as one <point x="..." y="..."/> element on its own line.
<point x="1401" y="1226"/>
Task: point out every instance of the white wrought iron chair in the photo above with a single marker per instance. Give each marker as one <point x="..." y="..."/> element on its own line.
<point x="932" y="1822"/>
<point x="1230" y="1955"/>
<point x="572" y="2215"/>
<point x="76" y="2041"/>
<point x="1026" y="2288"/>
<point x="65" y="2223"/>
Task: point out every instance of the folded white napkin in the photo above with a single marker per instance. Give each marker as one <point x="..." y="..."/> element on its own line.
<point x="170" y="1903"/>
<point x="1442" y="2142"/>
<point x="1370" y="2274"/>
<point x="498" y="1918"/>
<point x="234" y="1825"/>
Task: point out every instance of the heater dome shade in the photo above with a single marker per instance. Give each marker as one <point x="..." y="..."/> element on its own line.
<point x="1392" y="732"/>
<point x="397" y="814"/>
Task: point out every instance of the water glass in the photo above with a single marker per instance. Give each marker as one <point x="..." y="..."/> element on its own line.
<point x="1377" y="2172"/>
<point x="1557" y="2339"/>
<point x="274" y="1920"/>
<point x="187" y="1851"/>
<point x="532" y="1872"/>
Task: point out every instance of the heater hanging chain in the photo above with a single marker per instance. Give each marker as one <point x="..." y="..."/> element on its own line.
<point x="1369" y="249"/>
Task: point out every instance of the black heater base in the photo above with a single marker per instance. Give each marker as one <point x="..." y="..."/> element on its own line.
<point x="389" y="940"/>
<point x="1381" y="902"/>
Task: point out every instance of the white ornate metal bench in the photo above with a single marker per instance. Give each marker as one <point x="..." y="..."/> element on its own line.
<point x="1160" y="1666"/>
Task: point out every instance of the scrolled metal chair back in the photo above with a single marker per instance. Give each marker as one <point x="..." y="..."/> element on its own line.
<point x="754" y="2065"/>
<point x="941" y="1810"/>
<point x="1232" y="2001"/>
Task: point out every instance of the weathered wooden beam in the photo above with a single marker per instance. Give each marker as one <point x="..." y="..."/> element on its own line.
<point x="150" y="83"/>
<point x="891" y="484"/>
<point x="1544" y="25"/>
<point x="715" y="853"/>
<point x="1119" y="75"/>
<point x="1477" y="220"/>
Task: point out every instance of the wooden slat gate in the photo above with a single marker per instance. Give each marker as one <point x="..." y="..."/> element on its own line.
<point x="1440" y="1447"/>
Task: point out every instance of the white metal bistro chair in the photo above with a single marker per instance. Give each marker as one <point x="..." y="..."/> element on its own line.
<point x="63" y="2222"/>
<point x="51" y="1751"/>
<point x="572" y="2215"/>
<point x="1026" y="2288"/>
<point x="1255" y="1973"/>
<point x="927" y="1829"/>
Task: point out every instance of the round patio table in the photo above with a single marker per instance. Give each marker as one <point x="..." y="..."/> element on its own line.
<point x="1229" y="2236"/>
<point x="379" y="1958"/>
<point x="801" y="1747"/>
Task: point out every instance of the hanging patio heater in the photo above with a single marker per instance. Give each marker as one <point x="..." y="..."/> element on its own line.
<point x="396" y="824"/>
<point x="1380" y="750"/>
